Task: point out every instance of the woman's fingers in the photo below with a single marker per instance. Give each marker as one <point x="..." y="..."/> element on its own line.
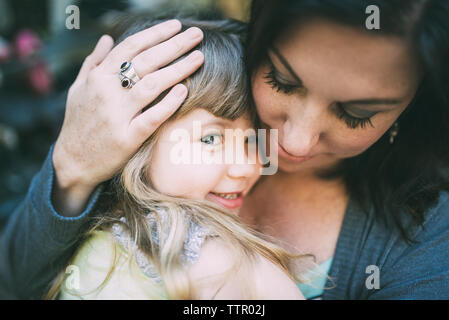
<point x="162" y="54"/>
<point x="146" y="123"/>
<point x="133" y="45"/>
<point x="153" y="84"/>
<point x="101" y="50"/>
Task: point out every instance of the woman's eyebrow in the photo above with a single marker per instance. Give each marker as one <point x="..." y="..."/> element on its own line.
<point x="286" y="65"/>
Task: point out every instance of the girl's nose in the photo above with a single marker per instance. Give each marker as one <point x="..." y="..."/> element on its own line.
<point x="244" y="164"/>
<point x="241" y="157"/>
<point x="242" y="170"/>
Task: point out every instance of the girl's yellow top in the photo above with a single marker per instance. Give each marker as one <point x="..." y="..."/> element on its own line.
<point x="109" y="265"/>
<point x="90" y="276"/>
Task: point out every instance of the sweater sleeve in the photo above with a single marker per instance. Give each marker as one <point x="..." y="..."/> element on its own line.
<point x="37" y="241"/>
<point x="422" y="270"/>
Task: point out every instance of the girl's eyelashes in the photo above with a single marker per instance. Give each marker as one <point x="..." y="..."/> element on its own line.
<point x="351" y="121"/>
<point x="276" y="84"/>
<point x="212" y="139"/>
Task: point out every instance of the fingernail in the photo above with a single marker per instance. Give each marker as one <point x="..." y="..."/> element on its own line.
<point x="196" y="55"/>
<point x="179" y="90"/>
<point x="194" y="33"/>
<point x="174" y="24"/>
<point x="106" y="37"/>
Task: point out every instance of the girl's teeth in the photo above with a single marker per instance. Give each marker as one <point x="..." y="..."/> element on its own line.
<point x="227" y="196"/>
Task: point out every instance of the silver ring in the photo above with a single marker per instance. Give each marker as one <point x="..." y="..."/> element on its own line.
<point x="127" y="75"/>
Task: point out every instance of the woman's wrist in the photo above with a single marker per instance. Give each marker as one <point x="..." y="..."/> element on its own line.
<point x="71" y="201"/>
<point x="70" y="192"/>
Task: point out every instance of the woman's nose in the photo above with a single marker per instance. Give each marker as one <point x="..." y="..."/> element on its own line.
<point x="299" y="140"/>
<point x="302" y="130"/>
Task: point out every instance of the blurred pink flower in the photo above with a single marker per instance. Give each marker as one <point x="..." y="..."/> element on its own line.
<point x="27" y="42"/>
<point x="40" y="78"/>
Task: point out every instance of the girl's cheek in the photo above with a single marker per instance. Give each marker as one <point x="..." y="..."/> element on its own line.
<point x="192" y="181"/>
<point x="256" y="176"/>
<point x="204" y="178"/>
<point x="212" y="155"/>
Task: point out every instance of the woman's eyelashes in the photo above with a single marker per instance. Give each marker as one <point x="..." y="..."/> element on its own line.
<point x="276" y="84"/>
<point x="352" y="122"/>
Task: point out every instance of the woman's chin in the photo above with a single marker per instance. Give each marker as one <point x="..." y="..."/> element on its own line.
<point x="289" y="167"/>
<point x="317" y="163"/>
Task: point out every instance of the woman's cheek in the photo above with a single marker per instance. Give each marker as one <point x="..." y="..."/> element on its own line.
<point x="352" y="142"/>
<point x="353" y="146"/>
<point x="265" y="99"/>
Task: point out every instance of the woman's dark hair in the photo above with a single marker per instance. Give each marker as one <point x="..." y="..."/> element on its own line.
<point x="401" y="180"/>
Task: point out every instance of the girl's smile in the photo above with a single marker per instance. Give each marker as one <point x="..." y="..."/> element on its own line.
<point x="228" y="200"/>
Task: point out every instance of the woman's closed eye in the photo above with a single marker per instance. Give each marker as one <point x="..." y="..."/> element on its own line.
<point x="273" y="81"/>
<point x="352" y="121"/>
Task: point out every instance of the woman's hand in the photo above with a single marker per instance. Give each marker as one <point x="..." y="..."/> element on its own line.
<point x="103" y="125"/>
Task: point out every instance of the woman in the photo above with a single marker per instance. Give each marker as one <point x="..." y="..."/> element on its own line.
<point x="363" y="129"/>
<point x="363" y="119"/>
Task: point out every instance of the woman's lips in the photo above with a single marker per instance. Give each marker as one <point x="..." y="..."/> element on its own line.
<point x="289" y="157"/>
<point x="228" y="203"/>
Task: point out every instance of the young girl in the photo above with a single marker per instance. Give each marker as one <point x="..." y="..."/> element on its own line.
<point x="168" y="229"/>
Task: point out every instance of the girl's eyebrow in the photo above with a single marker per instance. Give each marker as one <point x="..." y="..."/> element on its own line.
<point x="286" y="65"/>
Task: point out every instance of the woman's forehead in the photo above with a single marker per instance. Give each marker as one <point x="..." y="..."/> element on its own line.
<point x="333" y="56"/>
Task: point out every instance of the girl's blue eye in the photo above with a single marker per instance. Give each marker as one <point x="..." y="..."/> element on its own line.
<point x="212" y="139"/>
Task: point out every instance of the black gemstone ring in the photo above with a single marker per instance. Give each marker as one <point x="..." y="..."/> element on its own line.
<point x="127" y="75"/>
<point x="125" y="66"/>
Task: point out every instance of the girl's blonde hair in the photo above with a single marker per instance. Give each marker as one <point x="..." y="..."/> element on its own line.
<point x="221" y="87"/>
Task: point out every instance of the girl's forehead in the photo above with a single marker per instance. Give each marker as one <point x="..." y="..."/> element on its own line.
<point x="205" y="118"/>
